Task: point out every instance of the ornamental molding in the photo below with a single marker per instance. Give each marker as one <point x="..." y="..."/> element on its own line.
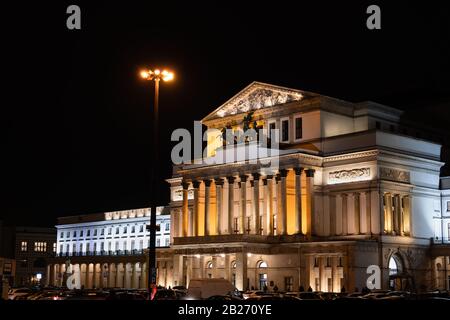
<point x="254" y="97"/>
<point x="394" y="175"/>
<point x="351" y="156"/>
<point x="342" y="176"/>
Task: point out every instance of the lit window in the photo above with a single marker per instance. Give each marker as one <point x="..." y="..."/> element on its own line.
<point x="262" y="264"/>
<point x="54" y="246"/>
<point x="209" y="265"/>
<point x="40" y="246"/>
<point x="24" y="246"/>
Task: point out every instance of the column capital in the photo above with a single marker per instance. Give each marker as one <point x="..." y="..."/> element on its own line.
<point x="207" y="183"/>
<point x="243" y="178"/>
<point x="230" y="179"/>
<point x="298" y="170"/>
<point x="283" y="173"/>
<point x="218" y="181"/>
<point x="185" y="185"/>
<point x="265" y="181"/>
<point x="256" y="175"/>
<point x="196" y="184"/>
<point x="310" y="173"/>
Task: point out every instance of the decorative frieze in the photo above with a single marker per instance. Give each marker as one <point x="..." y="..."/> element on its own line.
<point x="394" y="175"/>
<point x="351" y="175"/>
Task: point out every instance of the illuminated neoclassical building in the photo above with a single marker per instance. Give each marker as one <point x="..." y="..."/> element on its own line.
<point x="108" y="249"/>
<point x="354" y="187"/>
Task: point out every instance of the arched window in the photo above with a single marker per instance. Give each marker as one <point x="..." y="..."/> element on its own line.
<point x="233" y="264"/>
<point x="262" y="264"/>
<point x="393" y="268"/>
<point x="209" y="265"/>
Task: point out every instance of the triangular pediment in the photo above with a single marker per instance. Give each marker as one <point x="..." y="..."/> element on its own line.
<point x="256" y="96"/>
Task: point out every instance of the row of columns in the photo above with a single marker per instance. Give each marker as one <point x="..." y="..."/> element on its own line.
<point x="268" y="224"/>
<point x="105" y="275"/>
<point x="397" y="214"/>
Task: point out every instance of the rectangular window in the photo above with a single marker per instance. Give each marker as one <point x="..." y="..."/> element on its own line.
<point x="141" y="244"/>
<point x="167" y="226"/>
<point x="74" y="248"/>
<point x="125" y="230"/>
<point x="133" y="229"/>
<point x="124" y="246"/>
<point x="61" y="235"/>
<point x="285" y="130"/>
<point x="167" y="242"/>
<point x="448" y="232"/>
<point x="68" y="234"/>
<point x="54" y="246"/>
<point x="88" y="233"/>
<point x="40" y="247"/>
<point x="288" y="284"/>
<point x="102" y="246"/>
<point x="74" y="234"/>
<point x="132" y="245"/>
<point x="272" y="126"/>
<point x="95" y="232"/>
<point x="109" y="231"/>
<point x="448" y="206"/>
<point x="117" y="230"/>
<point x="141" y="228"/>
<point x="60" y="248"/>
<point x="158" y="242"/>
<point x="340" y="262"/>
<point x="67" y="248"/>
<point x="102" y="232"/>
<point x="88" y="247"/>
<point x="24" y="246"/>
<point x="298" y="128"/>
<point x="81" y="233"/>
<point x="316" y="262"/>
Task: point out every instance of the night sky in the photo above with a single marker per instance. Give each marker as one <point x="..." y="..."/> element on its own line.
<point x="78" y="118"/>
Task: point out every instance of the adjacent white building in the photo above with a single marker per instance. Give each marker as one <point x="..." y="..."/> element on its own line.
<point x="108" y="249"/>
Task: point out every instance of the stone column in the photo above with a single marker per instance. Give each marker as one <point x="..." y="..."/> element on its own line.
<point x="243" y="214"/>
<point x="310" y="201"/>
<point x="357" y="213"/>
<point x="283" y="201"/>
<point x="333" y="221"/>
<point x="227" y="266"/>
<point x="298" y="200"/>
<point x="185" y="212"/>
<point x="230" y="204"/>
<point x="207" y="206"/>
<point x="368" y="212"/>
<point x="195" y="213"/>
<point x="406" y="215"/>
<point x="344" y="215"/>
<point x="269" y="208"/>
<point x="398" y="215"/>
<point x="219" y="196"/>
<point x="256" y="214"/>
<point x="241" y="270"/>
<point x="388" y="213"/>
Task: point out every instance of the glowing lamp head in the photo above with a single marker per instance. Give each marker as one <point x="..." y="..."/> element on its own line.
<point x="157" y="72"/>
<point x="167" y="76"/>
<point x="144" y="74"/>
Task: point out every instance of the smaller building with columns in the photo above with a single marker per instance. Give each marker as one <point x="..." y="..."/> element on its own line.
<point x="354" y="187"/>
<point x="109" y="249"/>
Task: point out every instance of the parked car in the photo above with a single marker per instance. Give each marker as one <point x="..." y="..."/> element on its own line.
<point x="205" y="288"/>
<point x="14" y="293"/>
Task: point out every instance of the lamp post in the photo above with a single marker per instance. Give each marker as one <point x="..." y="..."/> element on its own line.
<point x="156" y="76"/>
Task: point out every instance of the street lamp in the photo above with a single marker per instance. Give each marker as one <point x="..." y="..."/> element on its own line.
<point x="156" y="76"/>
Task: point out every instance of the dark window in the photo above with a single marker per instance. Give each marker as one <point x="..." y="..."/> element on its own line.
<point x="288" y="283"/>
<point x="272" y="126"/>
<point x="298" y="128"/>
<point x="285" y="130"/>
<point x="378" y="125"/>
<point x="316" y="262"/>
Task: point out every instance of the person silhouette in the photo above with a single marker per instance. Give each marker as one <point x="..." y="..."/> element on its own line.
<point x="301" y="288"/>
<point x="309" y="289"/>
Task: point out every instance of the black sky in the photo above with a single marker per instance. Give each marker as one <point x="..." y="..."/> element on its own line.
<point x="77" y="118"/>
